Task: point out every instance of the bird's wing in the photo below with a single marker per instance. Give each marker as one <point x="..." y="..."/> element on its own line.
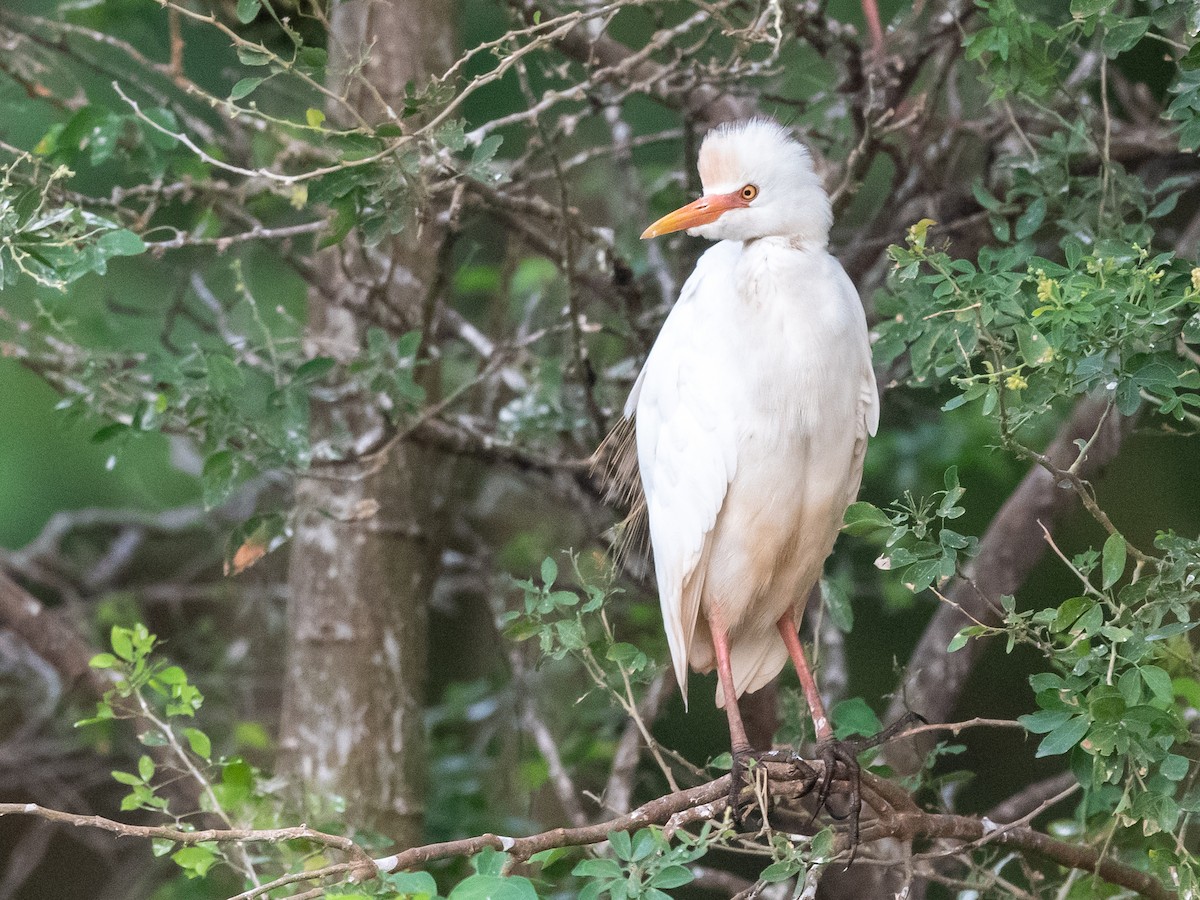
<point x="686" y="444"/>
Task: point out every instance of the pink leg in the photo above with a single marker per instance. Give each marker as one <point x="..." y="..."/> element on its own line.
<point x="737" y="730"/>
<point x="787" y="628"/>
<point x="871" y="11"/>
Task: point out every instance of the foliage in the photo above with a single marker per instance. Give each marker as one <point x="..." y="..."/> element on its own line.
<point x="160" y="223"/>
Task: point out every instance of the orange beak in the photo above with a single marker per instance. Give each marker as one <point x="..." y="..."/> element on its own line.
<point x="707" y="209"/>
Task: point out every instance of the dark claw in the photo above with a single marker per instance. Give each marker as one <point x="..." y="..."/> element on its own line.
<point x="846" y="752"/>
<point x="737" y="781"/>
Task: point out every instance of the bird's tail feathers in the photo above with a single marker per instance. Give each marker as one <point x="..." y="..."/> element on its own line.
<point x="615" y="464"/>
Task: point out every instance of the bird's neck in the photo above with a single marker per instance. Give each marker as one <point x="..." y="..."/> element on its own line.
<point x="805" y="243"/>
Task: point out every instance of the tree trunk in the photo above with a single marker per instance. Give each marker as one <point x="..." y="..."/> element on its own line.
<point x="362" y="562"/>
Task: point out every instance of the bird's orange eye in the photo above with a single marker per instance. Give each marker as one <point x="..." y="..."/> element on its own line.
<point x="749" y="192"/>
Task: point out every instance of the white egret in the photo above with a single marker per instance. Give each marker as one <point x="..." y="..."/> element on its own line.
<point x="752" y="415"/>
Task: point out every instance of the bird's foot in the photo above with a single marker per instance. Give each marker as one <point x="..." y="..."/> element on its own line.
<point x="743" y="758"/>
<point x="839" y="760"/>
<point x="747" y="763"/>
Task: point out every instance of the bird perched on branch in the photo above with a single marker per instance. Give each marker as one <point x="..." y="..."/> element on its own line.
<point x="752" y="415"/>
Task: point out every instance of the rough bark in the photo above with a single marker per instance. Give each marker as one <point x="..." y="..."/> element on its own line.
<point x="362" y="561"/>
<point x="49" y="636"/>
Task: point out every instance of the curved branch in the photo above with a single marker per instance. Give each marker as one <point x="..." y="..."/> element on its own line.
<point x="896" y="817"/>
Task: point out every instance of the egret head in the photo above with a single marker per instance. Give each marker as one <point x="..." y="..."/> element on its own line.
<point x="758" y="182"/>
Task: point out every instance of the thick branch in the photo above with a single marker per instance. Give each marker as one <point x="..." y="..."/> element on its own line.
<point x="1022" y="837"/>
<point x="50" y="636"/>
<point x="898" y="817"/>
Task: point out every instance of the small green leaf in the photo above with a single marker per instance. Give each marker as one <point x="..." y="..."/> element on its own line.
<point x="172" y="675"/>
<point x="1159" y="683"/>
<point x="247" y="10"/>
<point x="121" y="242"/>
<point x="252" y="56"/>
<point x="1063" y="738"/>
<point x="549" y="571"/>
<point x="644" y="844"/>
<point x="485" y="151"/>
<point x="1113" y="565"/>
<point x="145" y="767"/>
<point x="781" y="870"/>
<point x="958" y="641"/>
<point x="597" y="868"/>
<point x="1174" y="767"/>
<point x="837" y="604"/>
<point x="122" y="642"/>
<point x="1123" y="34"/>
<point x="621" y="844"/>
<point x="854" y="716"/>
<point x="314" y="369"/>
<point x="196" y="861"/>
<point x="1045" y="720"/>
<point x="494" y="887"/>
<point x="672" y="877"/>
<point x="864" y="518"/>
<point x="412" y="884"/>
<point x="199" y="742"/>
<point x="245" y="87"/>
<point x="103" y="661"/>
<point x="314" y="117"/>
<point x="1031" y="219"/>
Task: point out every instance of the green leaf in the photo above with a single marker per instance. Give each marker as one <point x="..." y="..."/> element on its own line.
<point x="199" y="742"/>
<point x="853" y="716"/>
<point x="196" y="861"/>
<point x="1070" y="612"/>
<point x="1174" y="767"/>
<point x="411" y="884"/>
<point x="493" y="887"/>
<point x="126" y="778"/>
<point x="314" y="369"/>
<point x="1113" y="565"/>
<point x="247" y="10"/>
<point x="145" y="767"/>
<point x="672" y="877"/>
<point x="644" y="844"/>
<point x="864" y="518"/>
<point x="172" y="675"/>
<point x="122" y="642"/>
<point x="121" y="242"/>
<point x="245" y="86"/>
<point x="251" y="56"/>
<point x="549" y="571"/>
<point x="1064" y="737"/>
<point x="1030" y="220"/>
<point x="837" y="604"/>
<point x="489" y="861"/>
<point x="314" y="117"/>
<point x="781" y="870"/>
<point x="597" y="868"/>
<point x="1045" y="720"/>
<point x="1159" y="683"/>
<point x="485" y="151"/>
<point x="217" y="477"/>
<point x="1123" y="34"/>
<point x="960" y="640"/>
<point x="621" y="844"/>
<point x="103" y="661"/>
